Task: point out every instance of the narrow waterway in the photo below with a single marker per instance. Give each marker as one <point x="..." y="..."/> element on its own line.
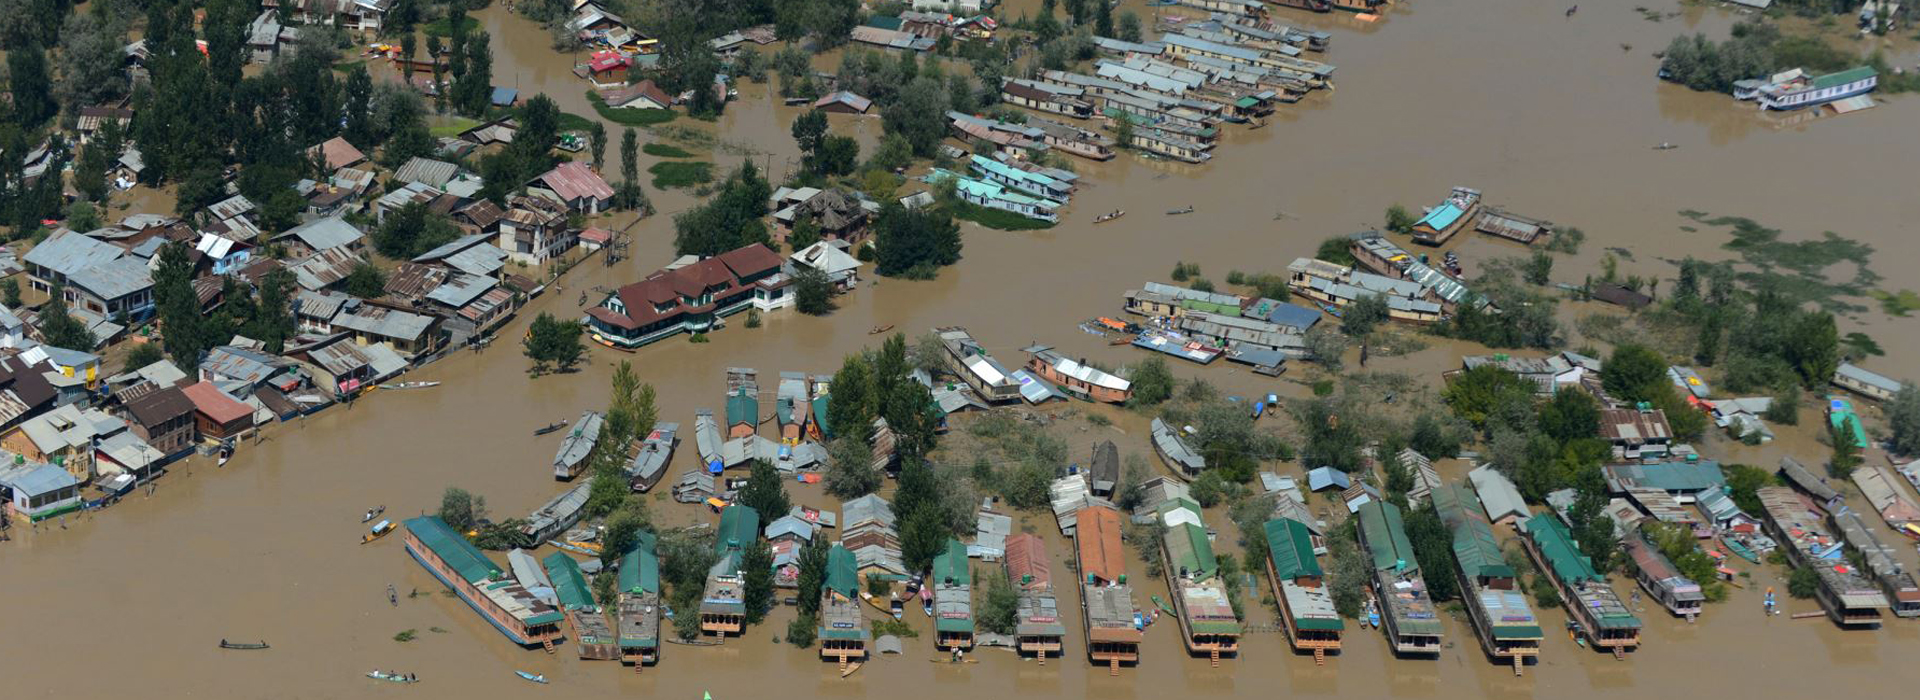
<point x="1547" y="115"/>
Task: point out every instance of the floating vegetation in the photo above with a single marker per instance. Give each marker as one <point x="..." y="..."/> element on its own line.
<point x="663" y="150"/>
<point x="668" y="174"/>
<point x="1799" y="271"/>
<point x="1897" y="303"/>
<point x="404" y="636"/>
<point x="1862" y="345"/>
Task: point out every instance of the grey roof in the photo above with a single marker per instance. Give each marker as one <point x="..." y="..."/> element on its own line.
<point x="230" y="207"/>
<point x="1498" y="495"/>
<point x="36" y="479"/>
<point x="321" y="234"/>
<point x="1858" y="374"/>
<point x="325" y="267"/>
<point x="126" y="448"/>
<point x="1175" y="449"/>
<point x="338" y="358"/>
<point x="113" y="279"/>
<point x="461" y="290"/>
<point x="163" y="372"/>
<point x="434" y="173"/>
<point x="67" y="427"/>
<point x="867" y="508"/>
<point x="67" y="252"/>
<point x="386" y="362"/>
<point x="790" y="525"/>
<point x="384" y="322"/>
<point x="470" y="254"/>
<point x="240" y="364"/>
<point x="321" y="305"/>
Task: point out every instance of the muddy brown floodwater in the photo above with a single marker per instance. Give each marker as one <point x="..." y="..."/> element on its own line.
<point x="1546" y="114"/>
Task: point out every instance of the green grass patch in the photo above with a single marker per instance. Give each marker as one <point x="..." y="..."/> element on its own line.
<point x="664" y="150"/>
<point x="443" y="28"/>
<point x="452" y="127"/>
<point x="997" y="218"/>
<point x="629" y="117"/>
<point x="1898" y="303"/>
<point x="668" y="174"/>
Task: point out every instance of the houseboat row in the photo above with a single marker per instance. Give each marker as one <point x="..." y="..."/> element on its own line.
<point x="1407" y="613"/>
<point x="1112" y="630"/>
<point x="1208" y="625"/>
<point x="1496" y="608"/>
<point x="1656" y="574"/>
<point x="1847" y="596"/>
<point x="524" y="618"/>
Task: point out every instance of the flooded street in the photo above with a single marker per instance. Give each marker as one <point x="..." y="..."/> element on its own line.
<point x="1547" y="115"/>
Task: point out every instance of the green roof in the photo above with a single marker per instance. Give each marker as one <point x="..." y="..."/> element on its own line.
<point x="1556" y="545"/>
<point x="1847" y="423"/>
<point x="948" y="624"/>
<point x="951" y="565"/>
<point x="1245" y="102"/>
<point x="568" y="582"/>
<point x="842" y="574"/>
<point x="820" y="404"/>
<point x="1215" y="627"/>
<point x="1517" y="632"/>
<point x="885" y="22"/>
<point x="1332" y="624"/>
<point x="640" y="571"/>
<point x="452" y="548"/>
<point x="1386" y="536"/>
<point x="743" y="407"/>
<point x="1291" y="547"/>
<point x="739" y="527"/>
<point x="1843" y="77"/>
<point x="1191" y="552"/>
<point x="1209" y="307"/>
<point x="1474" y="545"/>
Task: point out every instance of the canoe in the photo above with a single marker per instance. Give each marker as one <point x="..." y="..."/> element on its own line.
<point x="224" y="644"/>
<point x="410" y="385"/>
<point x="550" y="429"/>
<point x="1104" y="218"/>
<point x="531" y="677"/>
<point x="1740" y="550"/>
<point x="1183" y="210"/>
<point x="851" y="667"/>
<point x="1259" y="407"/>
<point x="379" y="530"/>
<point x="877" y="330"/>
<point x="1164" y="607"/>
<point x="390" y="677"/>
<point x="374" y="513"/>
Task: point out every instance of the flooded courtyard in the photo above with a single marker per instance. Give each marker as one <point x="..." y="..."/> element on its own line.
<point x="1546" y="114"/>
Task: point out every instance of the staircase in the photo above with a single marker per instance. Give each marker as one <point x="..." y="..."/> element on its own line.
<point x="1214" y="658"/>
<point x="1113" y="667"/>
<point x="1619" y="653"/>
<point x="1319" y="657"/>
<point x="547" y="644"/>
<point x="1519" y="664"/>
<point x="843" y="664"/>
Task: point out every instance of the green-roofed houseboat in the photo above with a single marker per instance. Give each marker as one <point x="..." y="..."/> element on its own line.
<point x="1208" y="625"/>
<point x="1406" y="610"/>
<point x="1306" y="607"/>
<point x="590" y="631"/>
<point x="843" y="633"/>
<point x="473" y="577"/>
<point x="1498" y="611"/>
<point x="1606" y="622"/>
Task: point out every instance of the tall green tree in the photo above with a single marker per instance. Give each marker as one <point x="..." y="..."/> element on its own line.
<point x="813" y="573"/>
<point x="1634" y="373"/>
<point x="272" y="319"/>
<point x="359" y="107"/>
<point x="32" y="90"/>
<point x="91" y="60"/>
<point x="756" y="589"/>
<point x="851" y="411"/>
<point x="915" y="242"/>
<point x="597" y="139"/>
<point x="553" y="343"/>
<point x="60" y="329"/>
<point x="765" y="492"/>
<point x="473" y="89"/>
<point x="182" y="326"/>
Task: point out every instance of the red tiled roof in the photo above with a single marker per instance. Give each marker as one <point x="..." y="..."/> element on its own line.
<point x="339" y="153"/>
<point x="623" y="96"/>
<point x="595" y="235"/>
<point x="218" y="406"/>
<point x="751" y="260"/>
<point x="1027" y="556"/>
<point x="721" y="274"/>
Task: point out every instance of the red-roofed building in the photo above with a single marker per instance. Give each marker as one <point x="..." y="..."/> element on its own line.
<point x="576" y="185"/>
<point x="608" y="69"/>
<point x="595" y="238"/>
<point x="218" y="415"/>
<point x="641" y="95"/>
<point x="338" y="153"/>
<point x="692" y="299"/>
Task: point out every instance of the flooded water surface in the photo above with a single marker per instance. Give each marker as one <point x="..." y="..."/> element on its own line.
<point x="1554" y="117"/>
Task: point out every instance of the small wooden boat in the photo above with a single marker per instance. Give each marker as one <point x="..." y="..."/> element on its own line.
<point x="1163" y="606"/>
<point x="391" y="677"/>
<point x="224" y="644"/>
<point x="1740" y="550"/>
<point x="379" y="530"/>
<point x="554" y="428"/>
<point x="1109" y="216"/>
<point x="537" y="678"/>
<point x="877" y="330"/>
<point x="1259" y="407"/>
<point x="1183" y="210"/>
<point x="410" y="385"/>
<point x="1665" y="146"/>
<point x="851" y="667"/>
<point x="1122" y="340"/>
<point x="372" y="513"/>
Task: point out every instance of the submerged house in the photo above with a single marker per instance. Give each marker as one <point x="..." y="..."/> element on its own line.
<point x="1407" y="612"/>
<point x="967" y="358"/>
<point x="1794" y="89"/>
<point x="1680" y="595"/>
<point x="1306" y="606"/>
<point x="1604" y="620"/>
<point x="690" y="299"/>
<point x="501" y="601"/>
<point x="1336" y="286"/>
<point x="1175" y="452"/>
<point x="994" y="196"/>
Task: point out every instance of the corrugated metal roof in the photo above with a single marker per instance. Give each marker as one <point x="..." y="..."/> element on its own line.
<point x="452" y="549"/>
<point x="321" y="234"/>
<point x="67" y="252"/>
<point x="1027" y="562"/>
<point x="1291" y="547"/>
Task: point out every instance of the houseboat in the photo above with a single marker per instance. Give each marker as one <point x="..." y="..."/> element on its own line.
<point x="970" y="361"/>
<point x="1306" y="607"/>
<point x="1178" y="345"/>
<point x="817" y="427"/>
<point x="656" y="451"/>
<point x="1406" y="611"/>
<point x="707" y="440"/>
<point x="1175" y="452"/>
<point x="1848" y="597"/>
<point x="1859" y="380"/>
<point x="640" y="607"/>
<point x="1884" y="493"/>
<point x="1032" y="183"/>
<point x="743" y="402"/>
<point x="1495" y="221"/>
<point x="723" y="609"/>
<point x="1065" y="100"/>
<point x="1496" y="608"/>
<point x="1247" y="8"/>
<point x="1376" y="252"/>
<point x="577" y="446"/>
<point x="1878" y="563"/>
<point x="790" y="407"/>
<point x="1444" y="220"/>
<point x="556" y="515"/>
<point x="1106" y="601"/>
<point x="522" y="617"/>
<point x="843" y="632"/>
<point x="1038" y="631"/>
<point x="1795" y="89"/>
<point x="1661" y="580"/>
<point x="1073" y="139"/>
<point x="1208" y="625"/>
<point x="994" y="196"/>
<point x="1308" y="5"/>
<point x="1592" y="603"/>
<point x="1335" y="287"/>
<point x="952" y="598"/>
<point x="1077" y="378"/>
<point x="592" y="637"/>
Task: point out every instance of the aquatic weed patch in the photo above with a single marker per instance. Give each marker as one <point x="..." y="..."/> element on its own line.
<point x="1801" y="271"/>
<point x="667" y="174"/>
<point x="1897" y="303"/>
<point x="663" y="150"/>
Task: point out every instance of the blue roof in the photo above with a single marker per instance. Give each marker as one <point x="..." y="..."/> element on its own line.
<point x="36" y="479"/>
<point x="1293" y="315"/>
<point x="505" y="96"/>
<point x="1442" y="217"/>
<point x="1326" y="477"/>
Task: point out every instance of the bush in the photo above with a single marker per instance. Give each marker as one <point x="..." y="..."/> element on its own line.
<point x="664" y="150"/>
<point x="1803" y="583"/>
<point x="801" y="630"/>
<point x="897" y="628"/>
